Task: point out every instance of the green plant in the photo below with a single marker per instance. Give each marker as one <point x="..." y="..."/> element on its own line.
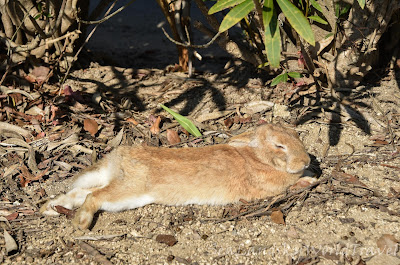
<point x="299" y="13"/>
<point x="183" y="121"/>
<point x="283" y="77"/>
<point x="270" y="22"/>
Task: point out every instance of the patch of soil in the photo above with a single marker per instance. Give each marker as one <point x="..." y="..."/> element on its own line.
<point x="354" y="142"/>
<point x="339" y="220"/>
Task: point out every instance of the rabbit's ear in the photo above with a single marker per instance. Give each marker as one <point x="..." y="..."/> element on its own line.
<point x="244" y="139"/>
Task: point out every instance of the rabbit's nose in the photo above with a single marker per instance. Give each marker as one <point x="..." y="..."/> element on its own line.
<point x="298" y="165"/>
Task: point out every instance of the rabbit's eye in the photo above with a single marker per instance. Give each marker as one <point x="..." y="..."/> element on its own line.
<point x="279" y="146"/>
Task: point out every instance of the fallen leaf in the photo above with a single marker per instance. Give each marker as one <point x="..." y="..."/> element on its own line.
<point x="256" y="107"/>
<point x="185" y="132"/>
<point x="10" y="243"/>
<point x="242" y="120"/>
<point x="243" y="201"/>
<point x="132" y="120"/>
<point x="23" y="182"/>
<point x="277" y="217"/>
<point x="12" y="216"/>
<point x="53" y="110"/>
<point x="352" y="179"/>
<point x="245" y="120"/>
<point x="228" y="122"/>
<point x="40" y="73"/>
<point x="90" y="126"/>
<point x="26" y="212"/>
<point x="70" y="94"/>
<point x="381" y="142"/>
<point x="388" y="244"/>
<point x="166" y="239"/>
<point x="62" y="210"/>
<point x="173" y="137"/>
<point x="117" y="139"/>
<point x="155" y="128"/>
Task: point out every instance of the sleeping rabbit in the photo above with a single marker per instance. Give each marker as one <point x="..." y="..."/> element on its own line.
<point x="250" y="166"/>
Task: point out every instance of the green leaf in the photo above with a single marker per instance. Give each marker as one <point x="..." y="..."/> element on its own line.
<point x="342" y="9"/>
<point x="223" y="4"/>
<point x="361" y="3"/>
<point x="318" y="19"/>
<point x="263" y="65"/>
<point x="268" y="11"/>
<point x="316" y="5"/>
<point x="297" y="20"/>
<point x="37" y="16"/>
<point x="236" y="14"/>
<point x="183" y="121"/>
<point x="272" y="34"/>
<point x="294" y="74"/>
<point x="279" y="79"/>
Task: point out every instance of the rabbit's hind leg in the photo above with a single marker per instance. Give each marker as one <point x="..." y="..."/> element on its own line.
<point x="114" y="197"/>
<point x="70" y="200"/>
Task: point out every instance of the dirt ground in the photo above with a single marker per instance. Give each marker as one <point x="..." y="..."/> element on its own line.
<point x="350" y="216"/>
<point x="339" y="221"/>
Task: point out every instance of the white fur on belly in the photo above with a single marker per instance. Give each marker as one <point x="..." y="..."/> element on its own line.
<point x="126" y="204"/>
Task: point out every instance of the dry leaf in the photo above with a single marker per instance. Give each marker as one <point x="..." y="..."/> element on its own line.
<point x="10" y="243"/>
<point x="388" y="244"/>
<point x="381" y="142"/>
<point x="228" y="122"/>
<point x="40" y="73"/>
<point x="256" y="107"/>
<point x="23" y="182"/>
<point x="12" y="216"/>
<point x="166" y="239"/>
<point x="70" y="94"/>
<point x="341" y="176"/>
<point x="155" y="128"/>
<point x="132" y="120"/>
<point x="277" y="217"/>
<point x="90" y="126"/>
<point x="173" y="137"/>
<point x="117" y="139"/>
<point x="69" y="213"/>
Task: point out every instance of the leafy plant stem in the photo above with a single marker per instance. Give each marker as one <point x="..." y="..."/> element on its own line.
<point x="307" y="7"/>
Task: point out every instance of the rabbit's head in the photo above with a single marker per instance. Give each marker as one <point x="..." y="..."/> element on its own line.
<point x="276" y="145"/>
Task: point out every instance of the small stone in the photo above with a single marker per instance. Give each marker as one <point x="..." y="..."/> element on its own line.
<point x="166" y="239"/>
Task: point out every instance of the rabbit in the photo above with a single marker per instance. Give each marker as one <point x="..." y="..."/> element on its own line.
<point x="249" y="166"/>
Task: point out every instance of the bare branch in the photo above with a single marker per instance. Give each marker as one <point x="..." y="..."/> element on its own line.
<point x="191" y="45"/>
<point x="106" y="17"/>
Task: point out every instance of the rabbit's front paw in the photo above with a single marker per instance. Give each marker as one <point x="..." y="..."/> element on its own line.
<point x="82" y="219"/>
<point x="303" y="183"/>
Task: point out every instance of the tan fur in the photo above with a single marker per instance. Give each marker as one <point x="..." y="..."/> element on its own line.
<point x="250" y="166"/>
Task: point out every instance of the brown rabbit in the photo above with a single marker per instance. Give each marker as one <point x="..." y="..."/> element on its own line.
<point x="250" y="166"/>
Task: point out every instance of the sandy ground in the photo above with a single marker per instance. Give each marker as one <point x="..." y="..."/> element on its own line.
<point x="339" y="221"/>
